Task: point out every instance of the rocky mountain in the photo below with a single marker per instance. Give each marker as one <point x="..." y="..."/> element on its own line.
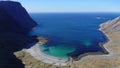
<point x="15" y="24"/>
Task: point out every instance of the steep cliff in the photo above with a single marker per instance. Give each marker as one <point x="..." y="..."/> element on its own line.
<point x="111" y="25"/>
<point x="15" y="24"/>
<point x="13" y="13"/>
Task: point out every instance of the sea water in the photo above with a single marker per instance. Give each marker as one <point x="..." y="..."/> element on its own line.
<point x="70" y="34"/>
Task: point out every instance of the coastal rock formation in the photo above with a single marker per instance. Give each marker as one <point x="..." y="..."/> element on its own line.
<point x="15" y="23"/>
<point x="111" y="25"/>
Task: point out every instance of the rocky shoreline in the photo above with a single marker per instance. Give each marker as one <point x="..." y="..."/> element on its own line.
<point x="39" y="55"/>
<point x="16" y="23"/>
<point x="111" y="60"/>
<point x="103" y="52"/>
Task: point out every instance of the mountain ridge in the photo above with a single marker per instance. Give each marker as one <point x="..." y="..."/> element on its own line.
<point x="15" y="24"/>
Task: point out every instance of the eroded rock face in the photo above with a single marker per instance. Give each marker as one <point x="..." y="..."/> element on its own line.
<point x="15" y="23"/>
<point x="111" y="25"/>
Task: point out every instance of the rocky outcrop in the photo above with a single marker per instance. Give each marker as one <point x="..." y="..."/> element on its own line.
<point x="111" y="25"/>
<point x="15" y="23"/>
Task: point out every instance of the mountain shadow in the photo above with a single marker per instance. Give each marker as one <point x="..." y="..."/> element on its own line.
<point x="15" y="24"/>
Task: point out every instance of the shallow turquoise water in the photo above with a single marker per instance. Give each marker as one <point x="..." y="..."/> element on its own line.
<point x="71" y="34"/>
<point x="59" y="51"/>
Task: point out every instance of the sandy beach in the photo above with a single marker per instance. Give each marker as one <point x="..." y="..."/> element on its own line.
<point x="39" y="55"/>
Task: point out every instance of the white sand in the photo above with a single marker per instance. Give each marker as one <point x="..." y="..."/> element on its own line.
<point x="39" y="55"/>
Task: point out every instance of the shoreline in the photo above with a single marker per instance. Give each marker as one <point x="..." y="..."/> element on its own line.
<point x="107" y="51"/>
<point x="99" y="54"/>
<point x="90" y="59"/>
<point x="103" y="45"/>
<point x="109" y="40"/>
<point x="39" y="55"/>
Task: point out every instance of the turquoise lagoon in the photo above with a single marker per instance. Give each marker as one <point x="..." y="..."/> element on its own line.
<point x="70" y="34"/>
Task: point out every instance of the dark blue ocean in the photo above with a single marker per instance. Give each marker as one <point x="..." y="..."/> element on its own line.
<point x="70" y="34"/>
